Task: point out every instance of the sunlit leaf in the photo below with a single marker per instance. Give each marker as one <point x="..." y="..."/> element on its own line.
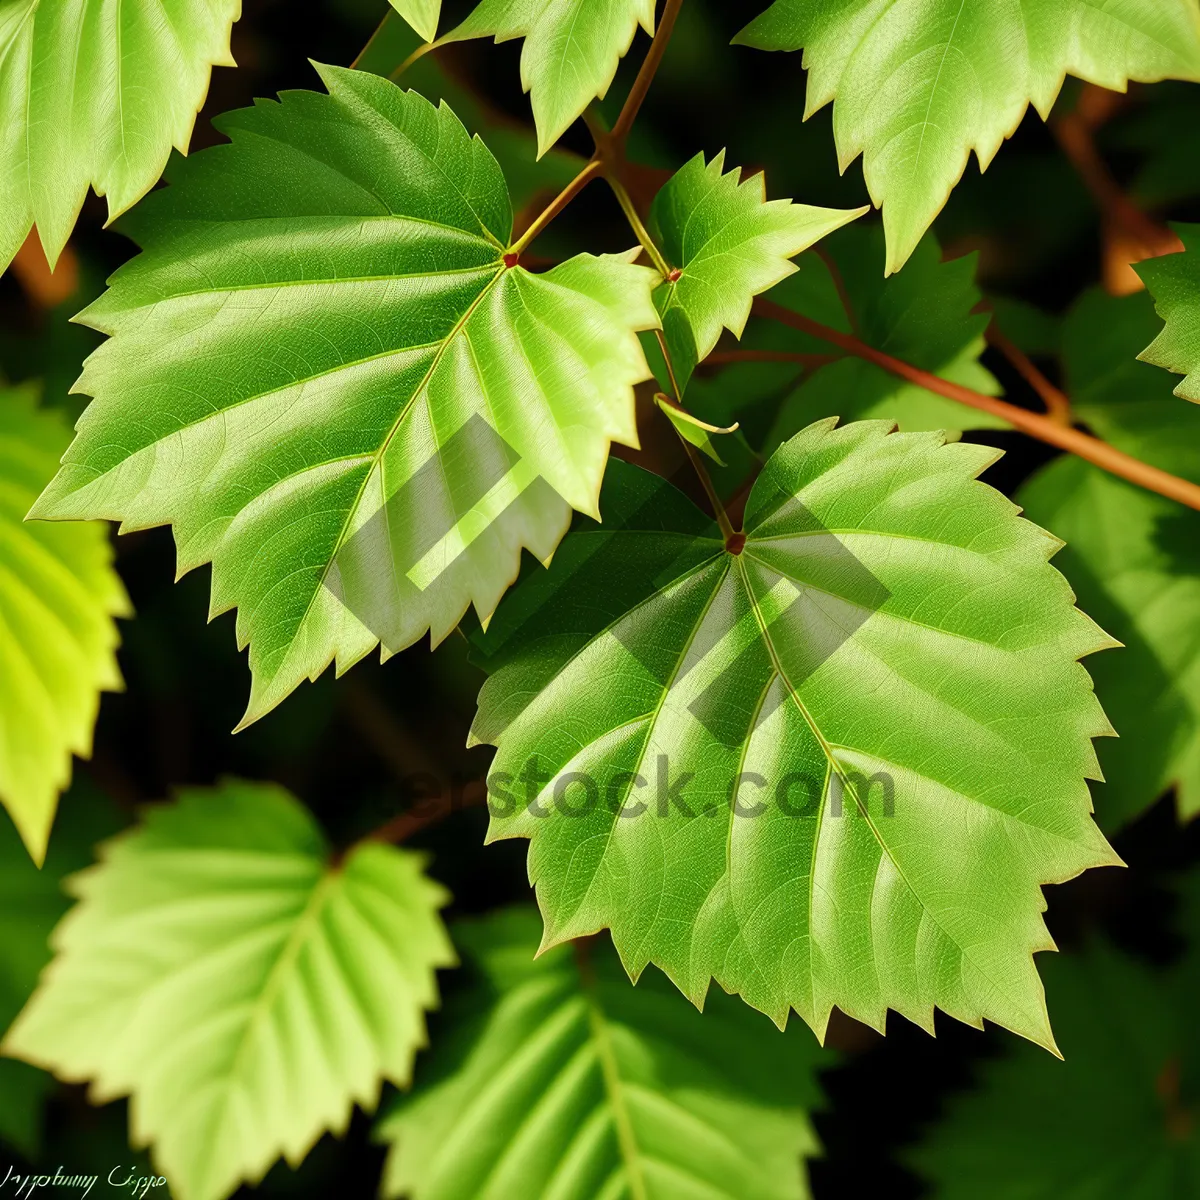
<point x="59" y="595"/>
<point x="917" y="86"/>
<point x="326" y="374"/>
<point x="94" y="94"/>
<point x="830" y="769"/>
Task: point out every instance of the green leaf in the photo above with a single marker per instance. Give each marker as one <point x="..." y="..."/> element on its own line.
<point x="571" y="52"/>
<point x="422" y="15"/>
<point x="1109" y="1123"/>
<point x="32" y="901"/>
<point x="242" y="989"/>
<point x="1126" y="402"/>
<point x="95" y="95"/>
<point x="556" y="1077"/>
<point x="729" y="244"/>
<point x="59" y="596"/>
<point x="514" y="145"/>
<point x="1174" y="281"/>
<point x="916" y="88"/>
<point x="693" y="430"/>
<point x="321" y="363"/>
<point x="832" y="769"/>
<point x="1132" y="557"/>
<point x="925" y="315"/>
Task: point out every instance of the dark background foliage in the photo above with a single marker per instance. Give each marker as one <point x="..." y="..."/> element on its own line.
<point x="363" y="749"/>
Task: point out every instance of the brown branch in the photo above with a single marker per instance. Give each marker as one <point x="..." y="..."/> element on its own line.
<point x="1075" y="441"/>
<point x="645" y="77"/>
<point x="371" y="40"/>
<point x="429" y="812"/>
<point x="1057" y="402"/>
<point x="720" y="358"/>
<point x="839" y="282"/>
<point x="593" y="170"/>
<point x="1132" y="235"/>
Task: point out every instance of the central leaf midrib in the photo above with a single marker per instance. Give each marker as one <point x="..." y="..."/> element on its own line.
<point x="627" y="1144"/>
<point x="836" y="766"/>
<point x="376" y="459"/>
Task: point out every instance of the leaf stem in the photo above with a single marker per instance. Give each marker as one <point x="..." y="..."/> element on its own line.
<point x="371" y="40"/>
<point x="724" y="523"/>
<point x="635" y="222"/>
<point x="1036" y="425"/>
<point x="1074" y="133"/>
<point x="1057" y="402"/>
<point x="645" y="77"/>
<point x="420" y="52"/>
<point x="592" y="170"/>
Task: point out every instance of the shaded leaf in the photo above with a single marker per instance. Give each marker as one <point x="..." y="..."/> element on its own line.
<point x="925" y="315"/>
<point x="1132" y="557"/>
<point x="1109" y="1123"/>
<point x="557" y="1078"/>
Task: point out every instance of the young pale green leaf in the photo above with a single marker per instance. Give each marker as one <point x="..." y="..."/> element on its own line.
<point x="95" y="95"/>
<point x="556" y="1078"/>
<point x="1131" y="556"/>
<point x="571" y="52"/>
<point x="1112" y="1122"/>
<point x="59" y="597"/>
<point x="325" y="373"/>
<point x="925" y="315"/>
<point x="422" y="15"/>
<point x="1174" y="281"/>
<point x="917" y="86"/>
<point x="829" y="767"/>
<point x="728" y="243"/>
<point x="693" y="430"/>
<point x="244" y="991"/>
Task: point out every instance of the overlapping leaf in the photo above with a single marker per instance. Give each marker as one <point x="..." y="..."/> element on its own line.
<point x="925" y="315"/>
<point x="1174" y="281"/>
<point x="95" y="95"/>
<point x="1132" y="557"/>
<point x="830" y="769"/>
<point x="244" y="992"/>
<point x="728" y="244"/>
<point x="571" y="52"/>
<point x="557" y="1078"/>
<point x="512" y="142"/>
<point x="327" y="375"/>
<point x="59" y="596"/>
<point x="917" y="86"/>
<point x="422" y="15"/>
<point x="1111" y="1122"/>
